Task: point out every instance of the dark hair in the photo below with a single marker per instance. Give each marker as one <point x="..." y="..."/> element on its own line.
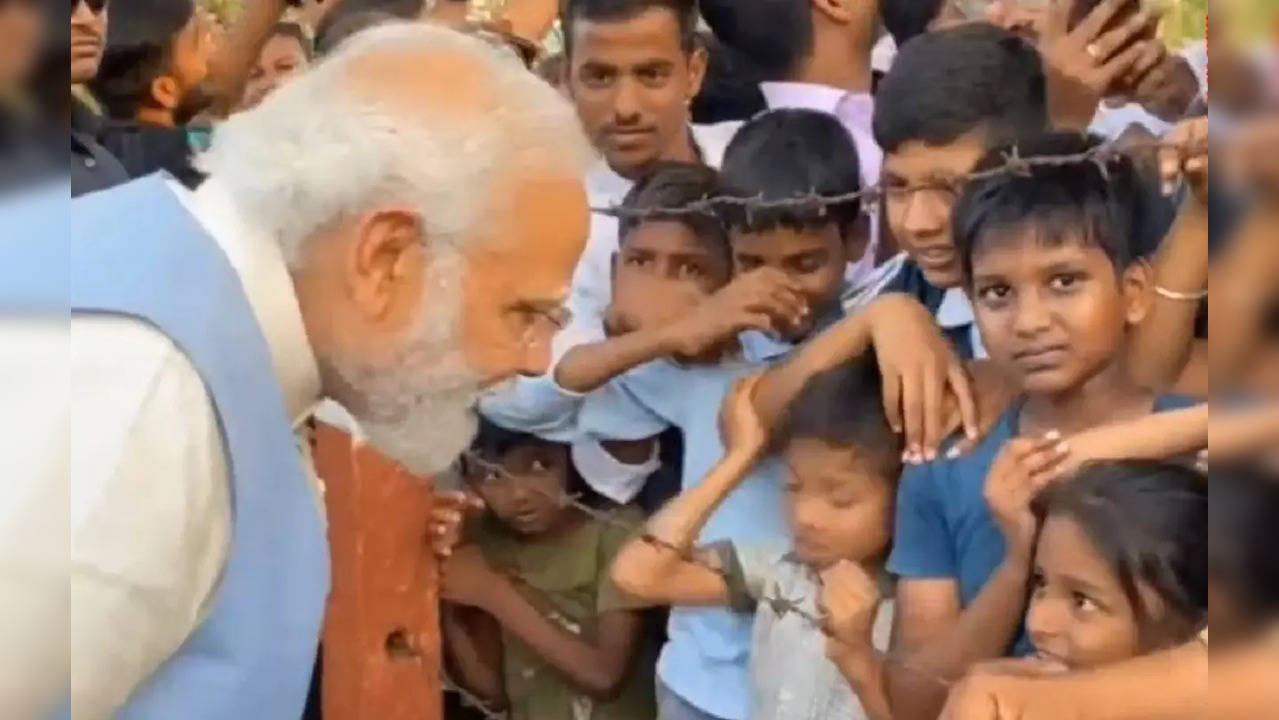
<point x="773" y="35"/>
<point x="1149" y="521"/>
<point x="685" y="12"/>
<point x="843" y="407"/>
<point x="1243" y="537"/>
<point x="139" y="49"/>
<point x="492" y="443"/>
<point x="1110" y="207"/>
<point x="948" y="83"/>
<point x="297" y="33"/>
<point x="906" y="19"/>
<point x="786" y="154"/>
<point x="730" y="90"/>
<point x="352" y="16"/>
<point x="675" y="185"/>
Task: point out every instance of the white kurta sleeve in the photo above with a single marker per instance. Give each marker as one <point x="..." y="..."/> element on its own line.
<point x="150" y="509"/>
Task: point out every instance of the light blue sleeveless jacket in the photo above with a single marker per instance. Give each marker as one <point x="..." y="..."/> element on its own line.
<point x="135" y="251"/>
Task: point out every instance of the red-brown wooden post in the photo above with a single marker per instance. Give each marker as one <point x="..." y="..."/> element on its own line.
<point x="381" y="633"/>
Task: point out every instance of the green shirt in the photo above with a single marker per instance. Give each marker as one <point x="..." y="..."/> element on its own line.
<point x="567" y="579"/>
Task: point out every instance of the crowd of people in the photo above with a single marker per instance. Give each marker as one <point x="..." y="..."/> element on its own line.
<point x="816" y="359"/>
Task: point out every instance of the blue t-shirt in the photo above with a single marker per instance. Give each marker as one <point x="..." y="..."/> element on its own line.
<point x="944" y="528"/>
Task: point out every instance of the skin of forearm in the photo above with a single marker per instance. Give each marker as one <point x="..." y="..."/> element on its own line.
<point x="641" y="568"/>
<point x="779" y="386"/>
<point x="587" y="367"/>
<point x="229" y="69"/>
<point x="581" y="662"/>
<point x="1161" y="344"/>
<point x="472" y="669"/>
<point x="865" y="673"/>
<point x="983" y="632"/>
<point x="1172" y="685"/>
<point x="1154" y="437"/>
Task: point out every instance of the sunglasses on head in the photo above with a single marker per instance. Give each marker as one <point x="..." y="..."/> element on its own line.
<point x="95" y="5"/>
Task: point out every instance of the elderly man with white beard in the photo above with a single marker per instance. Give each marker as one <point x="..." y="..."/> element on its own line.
<point x="394" y="230"/>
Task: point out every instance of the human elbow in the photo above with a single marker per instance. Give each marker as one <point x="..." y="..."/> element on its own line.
<point x="603" y="682"/>
<point x="633" y="574"/>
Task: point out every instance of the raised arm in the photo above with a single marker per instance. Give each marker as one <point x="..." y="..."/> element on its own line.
<point x="1162" y="343"/>
<point x="659" y="568"/>
<point x="229" y="69"/>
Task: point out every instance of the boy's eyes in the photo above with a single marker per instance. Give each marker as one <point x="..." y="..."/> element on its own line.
<point x="1064" y="281"/>
<point x="992" y="293"/>
<point x="689" y="270"/>
<point x="1083" y="603"/>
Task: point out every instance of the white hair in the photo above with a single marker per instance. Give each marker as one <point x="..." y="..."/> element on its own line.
<point x="325" y="147"/>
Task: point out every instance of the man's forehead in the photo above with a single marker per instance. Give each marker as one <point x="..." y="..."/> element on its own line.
<point x="652" y="34"/>
<point x="918" y="158"/>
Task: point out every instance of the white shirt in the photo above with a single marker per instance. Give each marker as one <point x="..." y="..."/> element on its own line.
<point x="148" y="485"/>
<point x="955" y="311"/>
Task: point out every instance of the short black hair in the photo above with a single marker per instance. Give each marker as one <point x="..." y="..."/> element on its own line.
<point x="1107" y="204"/>
<point x="946" y="84"/>
<point x="784" y="154"/>
<point x="493" y="442"/>
<point x="352" y="16"/>
<point x="1243" y="537"/>
<point x="773" y="35"/>
<point x="139" y="48"/>
<point x="670" y="185"/>
<point x="685" y="12"/>
<point x="1149" y="521"/>
<point x="906" y="19"/>
<point x="843" y="407"/>
<point x="730" y="90"/>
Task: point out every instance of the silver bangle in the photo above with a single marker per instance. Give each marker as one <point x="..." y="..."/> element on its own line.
<point x="1183" y="296"/>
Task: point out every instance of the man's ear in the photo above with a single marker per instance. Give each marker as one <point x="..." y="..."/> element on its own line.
<point x="839" y="11"/>
<point x="697" y="63"/>
<point x="1137" y="288"/>
<point x="385" y="263"/>
<point x="165" y="92"/>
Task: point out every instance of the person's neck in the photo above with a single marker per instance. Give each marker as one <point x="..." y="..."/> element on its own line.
<point x="566" y="524"/>
<point x="155" y="116"/>
<point x="839" y="65"/>
<point x="681" y="150"/>
<point x="1108" y="396"/>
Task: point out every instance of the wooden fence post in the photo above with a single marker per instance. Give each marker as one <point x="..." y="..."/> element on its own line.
<point x="381" y="632"/>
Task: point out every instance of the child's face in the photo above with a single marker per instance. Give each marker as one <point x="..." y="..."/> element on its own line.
<point x="1053" y="317"/>
<point x="671" y="251"/>
<point x="1079" y="614"/>
<point x="920" y="219"/>
<point x="841" y="505"/>
<point x="815" y="260"/>
<point x="526" y="502"/>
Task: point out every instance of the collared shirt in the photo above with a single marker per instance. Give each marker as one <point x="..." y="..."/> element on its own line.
<point x="956" y="315"/>
<point x="791" y="677"/>
<point x="951" y="307"/>
<point x="144" y="462"/>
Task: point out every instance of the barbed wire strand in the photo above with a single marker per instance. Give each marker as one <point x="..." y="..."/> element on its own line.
<point x="1014" y="164"/>
<point x="779" y="605"/>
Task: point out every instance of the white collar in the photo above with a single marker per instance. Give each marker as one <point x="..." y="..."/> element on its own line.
<point x="955" y="309"/>
<point x="812" y="96"/>
<point x="258" y="260"/>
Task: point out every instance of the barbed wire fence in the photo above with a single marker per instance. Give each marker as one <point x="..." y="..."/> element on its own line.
<point x="778" y="605"/>
<point x="1102" y="157"/>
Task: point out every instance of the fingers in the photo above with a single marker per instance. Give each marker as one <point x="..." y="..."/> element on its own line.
<point x="961" y="385"/>
<point x="1057" y="18"/>
<point x="892" y="395"/>
<point x="1145" y="75"/>
<point x="1043" y="464"/>
<point x="913" y="418"/>
<point x="1091" y="26"/>
<point x="1119" y="64"/>
<point x="934" y="409"/>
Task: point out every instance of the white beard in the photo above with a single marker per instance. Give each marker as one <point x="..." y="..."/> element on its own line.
<point x="418" y="404"/>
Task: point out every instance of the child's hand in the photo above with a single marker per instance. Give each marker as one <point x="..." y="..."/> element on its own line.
<point x="465" y="577"/>
<point x="1185" y="155"/>
<point x="763" y="299"/>
<point x="850" y="598"/>
<point x="1169" y="88"/>
<point x="643" y="301"/>
<point x="1021" y="470"/>
<point x="919" y="369"/>
<point x="1084" y="64"/>
<point x="739" y="421"/>
<point x="449" y="511"/>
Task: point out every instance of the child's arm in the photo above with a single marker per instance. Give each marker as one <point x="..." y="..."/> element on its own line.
<point x="760" y="300"/>
<point x="1151" y="437"/>
<point x="656" y="569"/>
<point x="849" y="602"/>
<point x="473" y="649"/>
<point x="941" y="640"/>
<point x="919" y="368"/>
<point x="1161" y="343"/>
<point x="597" y="666"/>
<point x="1243" y="282"/>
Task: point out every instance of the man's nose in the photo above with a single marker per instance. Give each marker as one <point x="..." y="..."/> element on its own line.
<point x="626" y="103"/>
<point x="925" y="214"/>
<point x="535" y="357"/>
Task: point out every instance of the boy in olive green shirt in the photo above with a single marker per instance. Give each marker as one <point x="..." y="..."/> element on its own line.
<point x="531" y="622"/>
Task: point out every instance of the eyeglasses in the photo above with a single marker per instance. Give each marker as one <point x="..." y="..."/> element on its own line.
<point x="97" y="6"/>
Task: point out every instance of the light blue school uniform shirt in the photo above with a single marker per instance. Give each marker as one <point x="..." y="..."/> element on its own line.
<point x="707" y="657"/>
